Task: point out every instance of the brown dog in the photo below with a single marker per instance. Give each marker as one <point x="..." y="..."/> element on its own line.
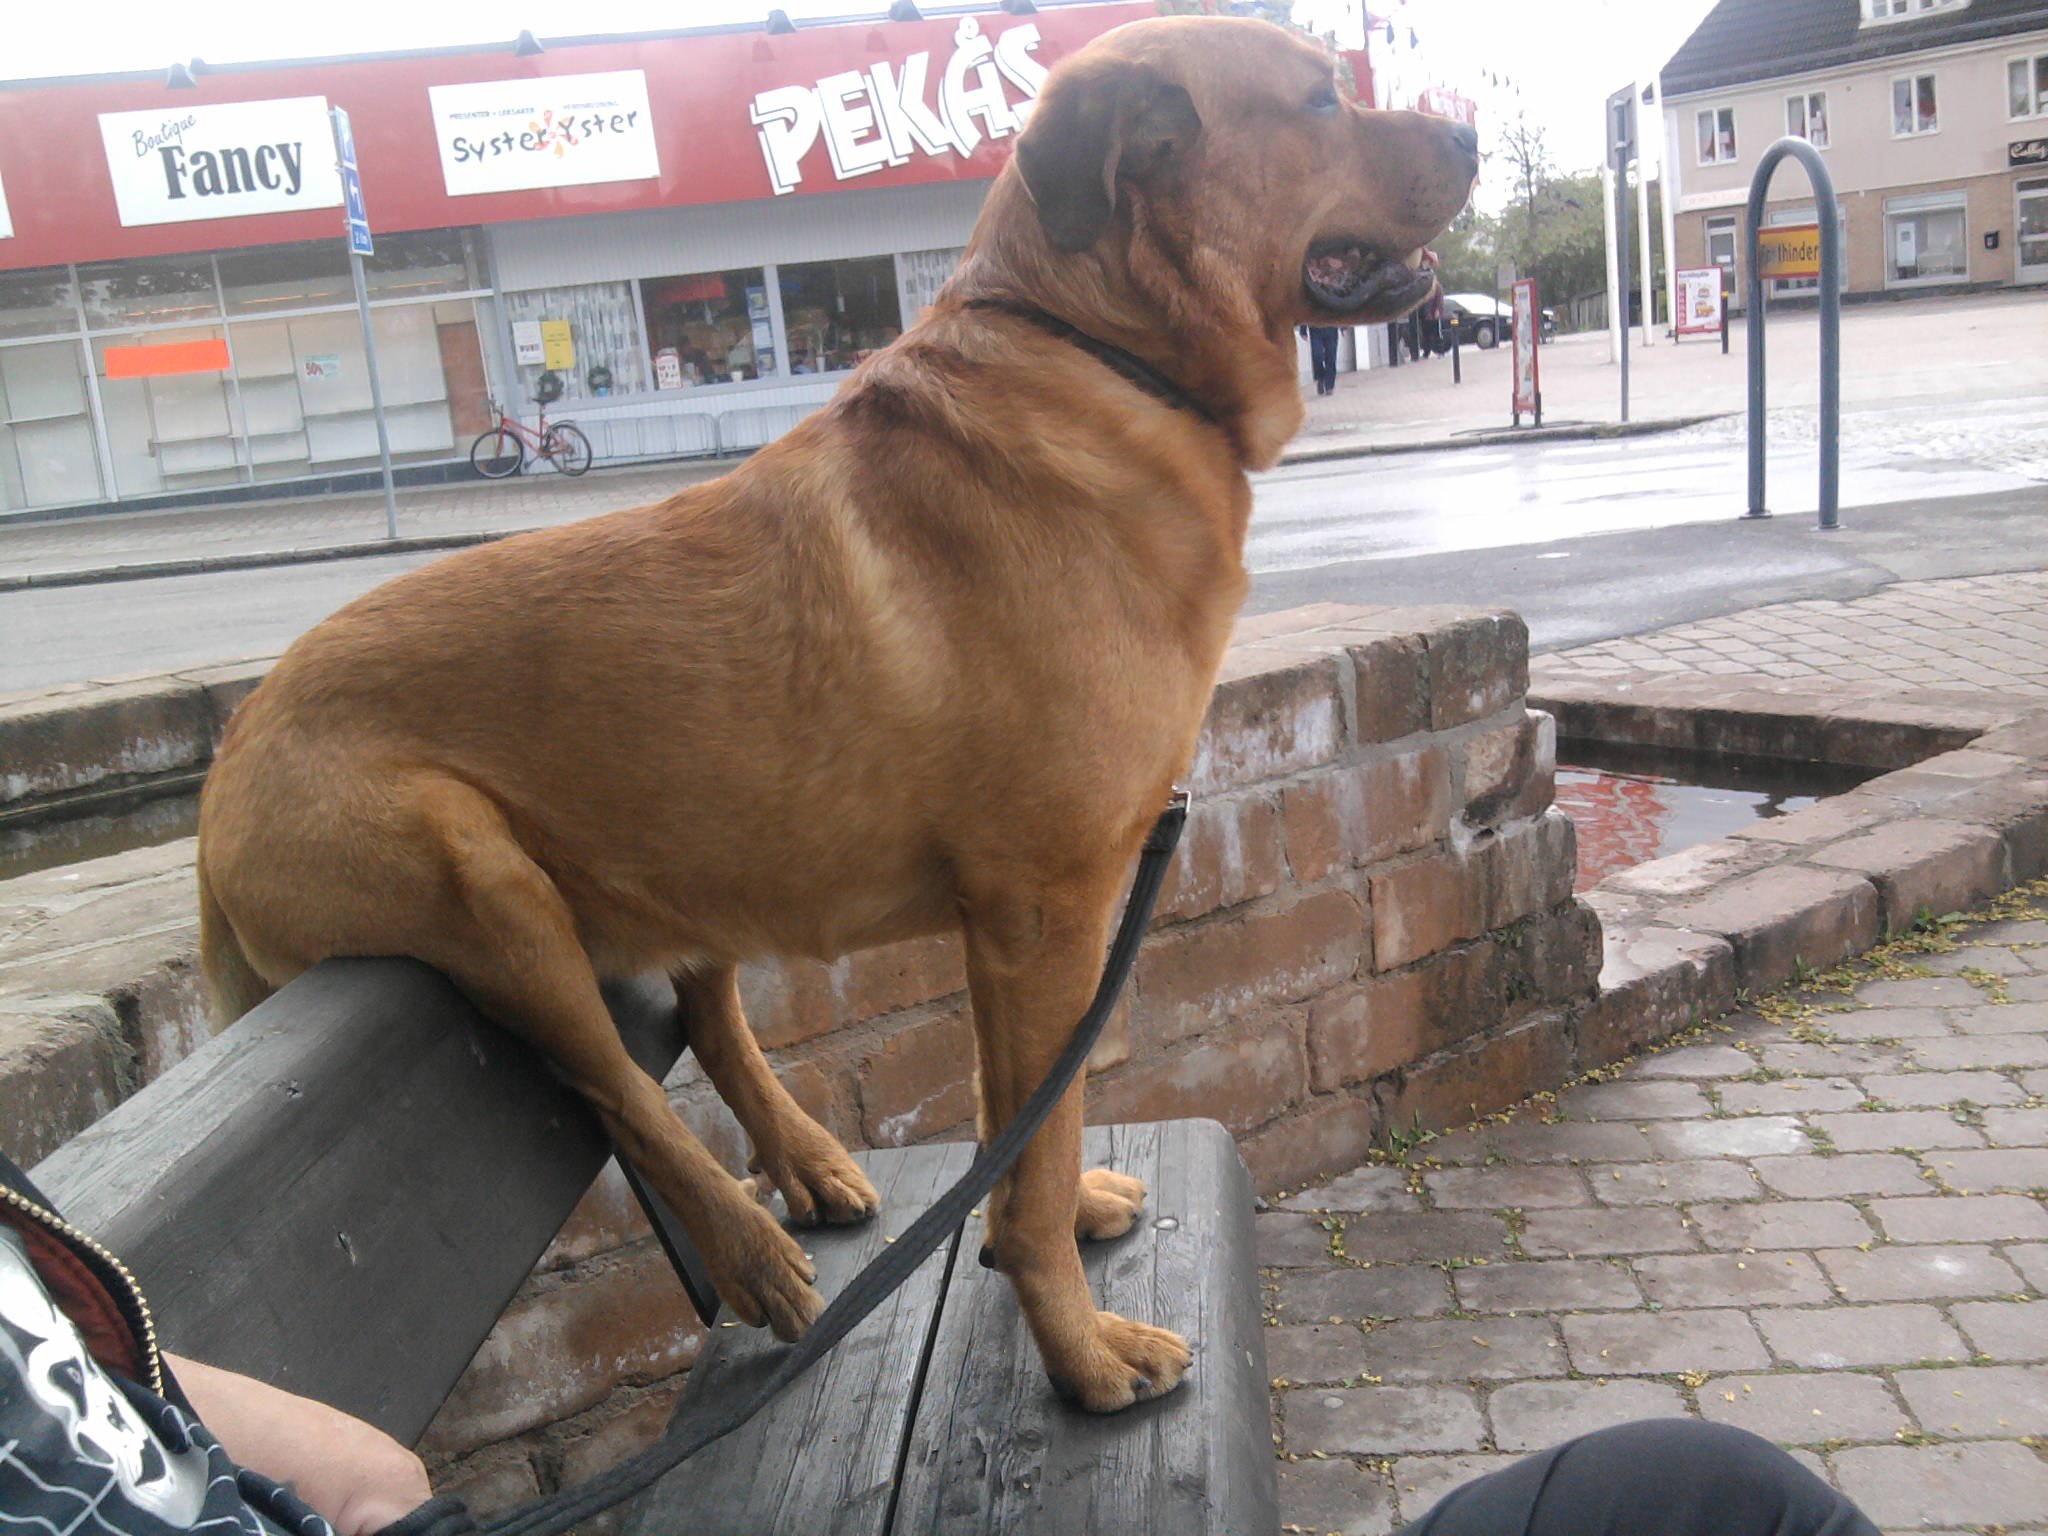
<point x="931" y="660"/>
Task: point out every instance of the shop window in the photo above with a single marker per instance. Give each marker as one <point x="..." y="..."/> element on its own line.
<point x="158" y="292"/>
<point x="921" y="274"/>
<point x="1716" y="135"/>
<point x="1926" y="241"/>
<point x="48" y="456"/>
<point x="37" y="303"/>
<point x="1779" y="218"/>
<point x="837" y="312"/>
<point x="1806" y="117"/>
<point x="708" y="328"/>
<point x="1913" y="106"/>
<point x="605" y="354"/>
<point x="424" y="262"/>
<point x="309" y="275"/>
<point x="2026" y="83"/>
<point x="1721" y="243"/>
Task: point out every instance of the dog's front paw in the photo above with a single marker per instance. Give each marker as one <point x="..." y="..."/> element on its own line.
<point x="763" y="1275"/>
<point x="1124" y="1363"/>
<point x="820" y="1182"/>
<point x="1110" y="1202"/>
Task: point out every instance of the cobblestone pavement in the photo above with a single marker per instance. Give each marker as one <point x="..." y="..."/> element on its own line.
<point x="1824" y="1219"/>
<point x="1978" y="632"/>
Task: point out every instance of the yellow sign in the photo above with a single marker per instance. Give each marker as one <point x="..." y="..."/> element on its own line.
<point x="1790" y="250"/>
<point x="558" y="350"/>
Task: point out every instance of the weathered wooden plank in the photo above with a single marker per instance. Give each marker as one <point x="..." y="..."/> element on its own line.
<point x="994" y="1450"/>
<point x="823" y="1456"/>
<point x="361" y="1156"/>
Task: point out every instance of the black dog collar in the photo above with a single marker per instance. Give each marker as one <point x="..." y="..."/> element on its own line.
<point x="1131" y="366"/>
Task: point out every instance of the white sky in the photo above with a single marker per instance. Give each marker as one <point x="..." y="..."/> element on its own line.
<point x="1564" y="55"/>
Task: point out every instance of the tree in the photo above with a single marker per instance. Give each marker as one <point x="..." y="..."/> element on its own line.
<point x="1528" y="160"/>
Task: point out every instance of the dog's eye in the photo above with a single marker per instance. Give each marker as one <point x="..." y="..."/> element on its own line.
<point x="1323" y="99"/>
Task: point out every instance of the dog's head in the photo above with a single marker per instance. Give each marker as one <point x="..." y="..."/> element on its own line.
<point x="1205" y="179"/>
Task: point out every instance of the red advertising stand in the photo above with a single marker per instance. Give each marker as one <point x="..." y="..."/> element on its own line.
<point x="1700" y="308"/>
<point x="1528" y="336"/>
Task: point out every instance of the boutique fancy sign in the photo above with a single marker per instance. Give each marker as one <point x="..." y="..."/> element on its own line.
<point x="222" y="161"/>
<point x="558" y="131"/>
<point x="888" y="113"/>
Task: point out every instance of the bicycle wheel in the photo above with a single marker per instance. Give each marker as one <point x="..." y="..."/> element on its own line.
<point x="568" y="447"/>
<point x="497" y="453"/>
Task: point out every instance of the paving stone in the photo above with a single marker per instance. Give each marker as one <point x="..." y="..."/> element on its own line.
<point x="1673" y="1183"/>
<point x="1646" y="1100"/>
<point x="1529" y="1416"/>
<point x="1547" y="1285"/>
<point x="1352" y="1295"/>
<point x="1662" y="1343"/>
<point x="1980" y="1053"/>
<point x="1429" y="1237"/>
<point x="2016" y="1127"/>
<point x="1835" y="1060"/>
<point x="1999" y="1168"/>
<point x="1421" y="1481"/>
<point x="1888" y="1130"/>
<point x="1381" y="1421"/>
<point x="2031" y="1259"/>
<point x="1832" y="1338"/>
<point x="1732" y="1280"/>
<point x="1853" y="1173"/>
<point x="1790" y="1096"/>
<point x="1750" y="1137"/>
<point x="1998" y="1018"/>
<point x="1693" y="1061"/>
<point x="1315" y="1353"/>
<point x="1998" y="1483"/>
<point x="1917" y="992"/>
<point x="1371" y="1188"/>
<point x="1998" y="959"/>
<point x="1286" y="1239"/>
<point x="1493" y="1189"/>
<point x="1568" y="1143"/>
<point x="1918" y="1274"/>
<point x="2030" y="931"/>
<point x="2006" y="1330"/>
<point x="1464" y="1349"/>
<point x="1334" y="1498"/>
<point x="1961" y="1219"/>
<point x="1995" y="1401"/>
<point x="1805" y="1409"/>
<point x="1781" y="1224"/>
<point x="1577" y="1234"/>
<point x="1926" y="1090"/>
<point x="1879" y="1024"/>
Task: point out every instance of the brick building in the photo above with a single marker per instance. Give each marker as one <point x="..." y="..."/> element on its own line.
<point x="1932" y="115"/>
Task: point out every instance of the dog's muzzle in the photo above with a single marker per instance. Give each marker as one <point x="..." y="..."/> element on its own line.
<point x="1358" y="282"/>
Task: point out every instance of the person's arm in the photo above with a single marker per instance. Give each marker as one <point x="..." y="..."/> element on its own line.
<point x="356" y="1476"/>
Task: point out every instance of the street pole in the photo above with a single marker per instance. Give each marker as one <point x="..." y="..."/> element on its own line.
<point x="1670" y="176"/>
<point x="1643" y="223"/>
<point x="1614" y="322"/>
<point x="345" y="162"/>
<point x="1621" y="263"/>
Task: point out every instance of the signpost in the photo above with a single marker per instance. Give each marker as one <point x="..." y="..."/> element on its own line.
<point x="357" y="218"/>
<point x="1789" y="250"/>
<point x="1621" y="151"/>
<point x="1528" y="331"/>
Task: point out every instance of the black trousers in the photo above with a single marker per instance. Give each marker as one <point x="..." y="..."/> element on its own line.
<point x="1322" y="355"/>
<point x="1659" y="1477"/>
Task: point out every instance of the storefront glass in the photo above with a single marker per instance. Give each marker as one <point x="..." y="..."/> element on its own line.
<point x="611" y="357"/>
<point x="709" y="328"/>
<point x="47" y="453"/>
<point x="1925" y="241"/>
<point x="837" y="312"/>
<point x="163" y="291"/>
<point x="37" y="303"/>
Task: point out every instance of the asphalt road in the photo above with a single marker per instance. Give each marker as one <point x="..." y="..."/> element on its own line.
<point x="1588" y="540"/>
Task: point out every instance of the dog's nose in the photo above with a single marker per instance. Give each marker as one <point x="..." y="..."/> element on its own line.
<point x="1466" y="138"/>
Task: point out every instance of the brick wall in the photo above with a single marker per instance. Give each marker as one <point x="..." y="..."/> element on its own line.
<point x="1369" y="924"/>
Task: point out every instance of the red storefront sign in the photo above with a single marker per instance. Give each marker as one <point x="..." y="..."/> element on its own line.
<point x="729" y="117"/>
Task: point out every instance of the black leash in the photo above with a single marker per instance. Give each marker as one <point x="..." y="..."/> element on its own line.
<point x="1129" y="364"/>
<point x="894" y="1264"/>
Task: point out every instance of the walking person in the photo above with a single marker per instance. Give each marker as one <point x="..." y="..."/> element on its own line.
<point x="1322" y="357"/>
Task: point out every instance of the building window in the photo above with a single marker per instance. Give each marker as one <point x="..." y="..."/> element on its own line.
<point x="2026" y="86"/>
<point x="1721" y="244"/>
<point x="1901" y="10"/>
<point x="1717" y="135"/>
<point x="159" y="291"/>
<point x="1806" y="117"/>
<point x="709" y="328"/>
<point x="37" y="302"/>
<point x="837" y="312"/>
<point x="1913" y="106"/>
<point x="1926" y="240"/>
<point x="603" y="338"/>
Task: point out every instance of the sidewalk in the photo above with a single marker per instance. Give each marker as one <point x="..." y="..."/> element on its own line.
<point x="1946" y="353"/>
<point x="1824" y="1219"/>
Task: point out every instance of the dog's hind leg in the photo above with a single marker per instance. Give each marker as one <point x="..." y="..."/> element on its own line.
<point x="819" y="1182"/>
<point x="512" y="947"/>
<point x="1032" y="966"/>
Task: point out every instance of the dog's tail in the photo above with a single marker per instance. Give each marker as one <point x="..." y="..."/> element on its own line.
<point x="231" y="981"/>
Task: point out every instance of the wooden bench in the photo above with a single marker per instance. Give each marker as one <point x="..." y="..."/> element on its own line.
<point x="341" y="1193"/>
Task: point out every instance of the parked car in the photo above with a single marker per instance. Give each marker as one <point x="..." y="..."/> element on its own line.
<point x="1481" y="320"/>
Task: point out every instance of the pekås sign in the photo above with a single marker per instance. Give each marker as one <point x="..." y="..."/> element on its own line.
<point x="559" y="131"/>
<point x="225" y="161"/>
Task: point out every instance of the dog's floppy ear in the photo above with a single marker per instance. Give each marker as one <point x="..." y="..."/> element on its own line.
<point x="1116" y="120"/>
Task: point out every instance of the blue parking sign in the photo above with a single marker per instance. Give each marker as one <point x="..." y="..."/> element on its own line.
<point x="352" y="186"/>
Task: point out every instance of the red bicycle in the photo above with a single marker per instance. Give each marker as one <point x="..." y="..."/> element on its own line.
<point x="501" y="450"/>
